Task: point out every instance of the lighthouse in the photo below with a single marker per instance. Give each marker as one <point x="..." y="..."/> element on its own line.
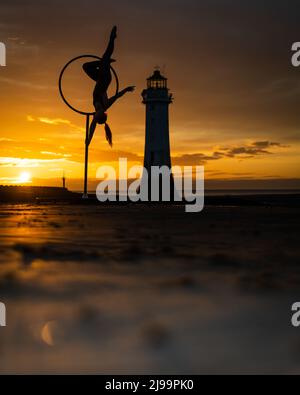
<point x="157" y="141"/>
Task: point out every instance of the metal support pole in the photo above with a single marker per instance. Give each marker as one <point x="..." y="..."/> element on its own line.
<point x="85" y="193"/>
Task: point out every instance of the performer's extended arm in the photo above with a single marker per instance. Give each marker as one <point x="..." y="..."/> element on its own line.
<point x="111" y="45"/>
<point x="113" y="99"/>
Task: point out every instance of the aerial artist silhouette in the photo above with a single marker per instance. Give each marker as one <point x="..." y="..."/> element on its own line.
<point x="100" y="72"/>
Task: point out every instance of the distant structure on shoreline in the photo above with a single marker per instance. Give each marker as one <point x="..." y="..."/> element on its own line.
<point x="157" y="142"/>
<point x="64" y="180"/>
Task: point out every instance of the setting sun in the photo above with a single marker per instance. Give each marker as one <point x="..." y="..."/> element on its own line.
<point x="24" y="177"/>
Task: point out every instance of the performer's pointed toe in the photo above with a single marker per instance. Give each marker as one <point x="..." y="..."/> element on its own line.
<point x="114" y="32"/>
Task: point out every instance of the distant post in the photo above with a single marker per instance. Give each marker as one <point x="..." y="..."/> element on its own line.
<point x="64" y="181"/>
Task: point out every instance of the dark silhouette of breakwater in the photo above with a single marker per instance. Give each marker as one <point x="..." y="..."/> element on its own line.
<point x="30" y="194"/>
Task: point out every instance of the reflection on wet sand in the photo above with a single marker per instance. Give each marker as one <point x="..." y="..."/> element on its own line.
<point x="148" y="289"/>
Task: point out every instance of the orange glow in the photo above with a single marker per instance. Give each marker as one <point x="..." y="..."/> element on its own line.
<point x="212" y="121"/>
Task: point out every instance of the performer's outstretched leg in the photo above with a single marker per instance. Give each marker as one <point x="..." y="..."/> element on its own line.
<point x="93" y="69"/>
<point x="105" y="76"/>
<point x="111" y="46"/>
<point x="101" y="100"/>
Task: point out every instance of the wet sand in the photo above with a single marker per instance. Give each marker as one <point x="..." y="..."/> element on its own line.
<point x="145" y="289"/>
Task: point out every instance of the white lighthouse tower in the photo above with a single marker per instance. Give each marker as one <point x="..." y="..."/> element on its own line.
<point x="157" y="100"/>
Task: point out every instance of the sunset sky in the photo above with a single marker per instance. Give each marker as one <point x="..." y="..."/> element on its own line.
<point x="228" y="64"/>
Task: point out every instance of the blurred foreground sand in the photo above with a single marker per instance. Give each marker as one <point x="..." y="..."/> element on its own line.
<point x="153" y="290"/>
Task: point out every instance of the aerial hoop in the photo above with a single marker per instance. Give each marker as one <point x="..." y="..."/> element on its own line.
<point x="61" y="80"/>
<point x="85" y="113"/>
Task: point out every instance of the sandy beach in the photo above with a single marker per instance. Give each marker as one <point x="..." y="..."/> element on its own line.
<point x="143" y="289"/>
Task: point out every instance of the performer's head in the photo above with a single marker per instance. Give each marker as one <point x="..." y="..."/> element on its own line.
<point x="101" y="118"/>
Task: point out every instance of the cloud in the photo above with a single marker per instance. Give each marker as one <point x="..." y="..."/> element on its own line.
<point x="114" y="156"/>
<point x="266" y="144"/>
<point x="30" y="163"/>
<point x="254" y="149"/>
<point x="197" y="158"/>
<point x="55" y="122"/>
<point x="246" y="151"/>
<point x="56" y="154"/>
<point x="25" y="84"/>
